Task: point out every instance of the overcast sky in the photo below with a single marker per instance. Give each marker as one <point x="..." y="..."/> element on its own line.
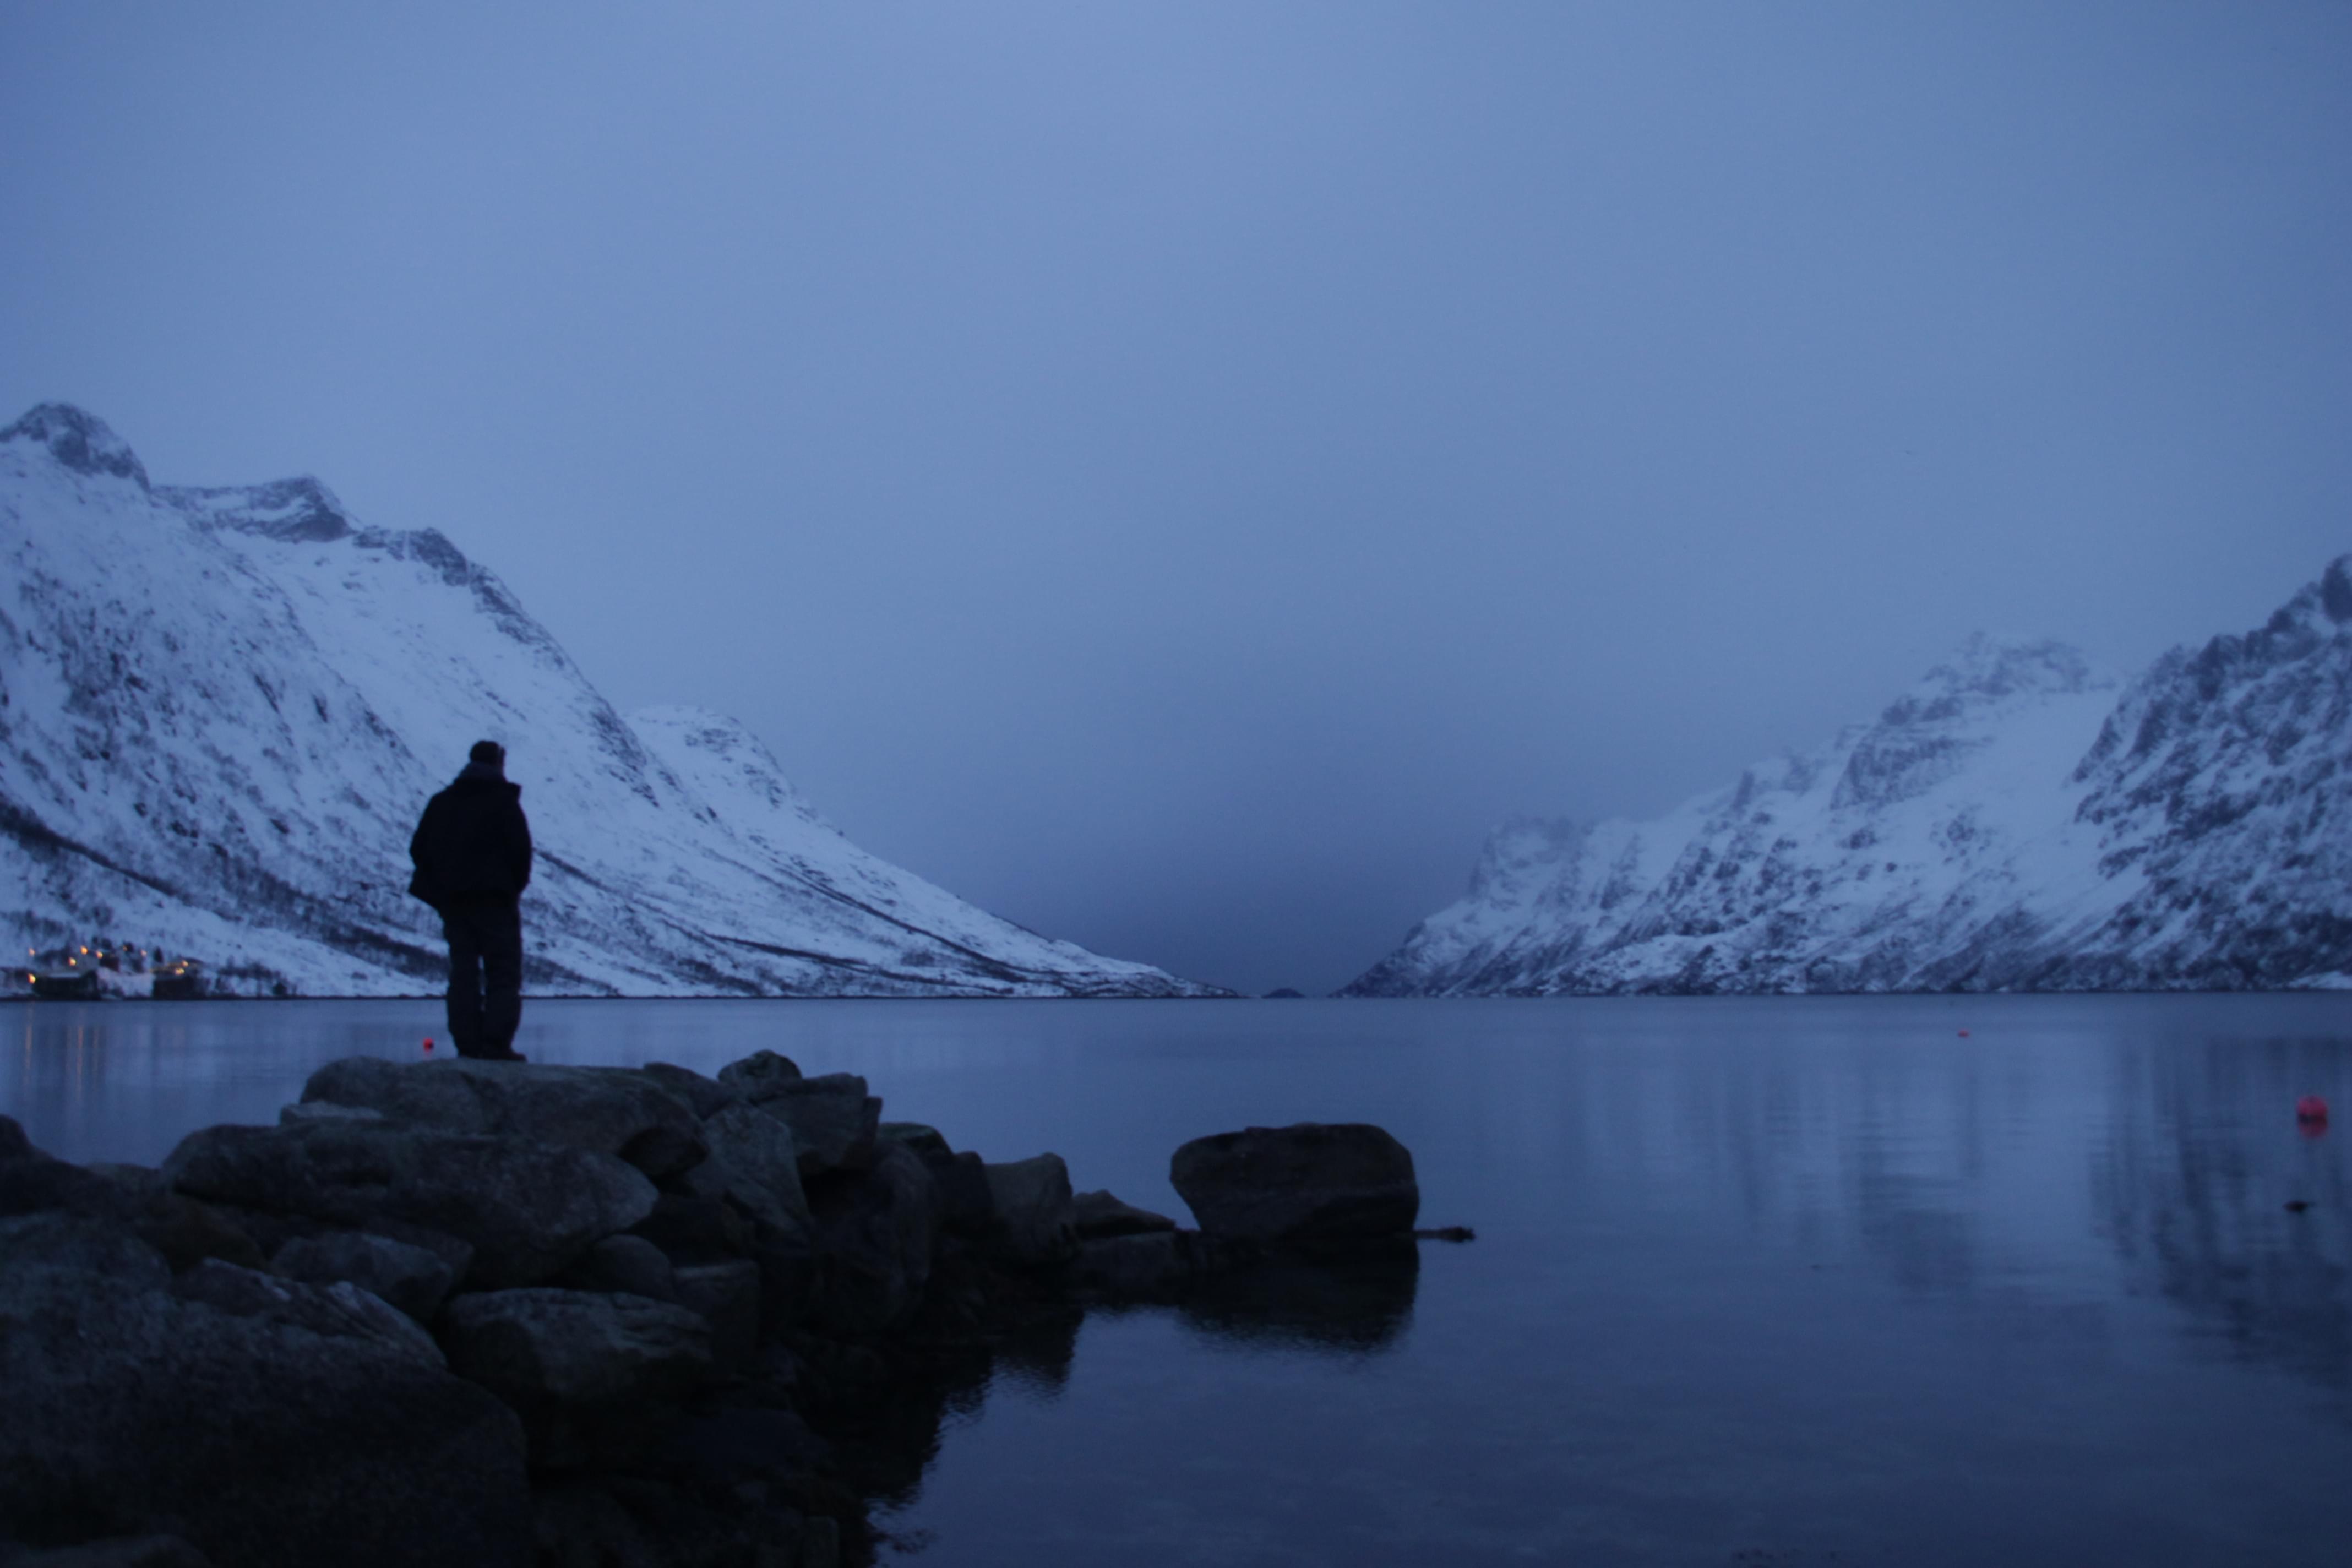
<point x="1178" y="474"/>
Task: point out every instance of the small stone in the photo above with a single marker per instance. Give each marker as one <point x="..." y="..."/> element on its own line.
<point x="704" y="1096"/>
<point x="833" y="1121"/>
<point x="629" y="1264"/>
<point x="759" y="1075"/>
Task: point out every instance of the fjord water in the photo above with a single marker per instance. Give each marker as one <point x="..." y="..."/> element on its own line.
<point x="1775" y="1281"/>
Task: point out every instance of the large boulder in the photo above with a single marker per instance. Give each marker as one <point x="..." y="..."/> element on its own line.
<point x="538" y="1348"/>
<point x="875" y="1231"/>
<point x="610" y="1111"/>
<point x="1036" y="1219"/>
<point x="270" y="1431"/>
<point x="834" y="1119"/>
<point x="1314" y="1182"/>
<point x="526" y="1209"/>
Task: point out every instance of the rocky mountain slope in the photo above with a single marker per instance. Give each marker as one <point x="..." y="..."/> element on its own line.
<point x="2015" y="822"/>
<point x="222" y="709"/>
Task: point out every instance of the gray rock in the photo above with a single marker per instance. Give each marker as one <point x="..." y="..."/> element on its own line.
<point x="627" y="1264"/>
<point x="762" y="1150"/>
<point x="706" y="1097"/>
<point x="413" y="1278"/>
<point x="120" y="1552"/>
<point x="328" y="1110"/>
<point x="339" y="1309"/>
<point x="719" y="1215"/>
<point x="139" y="1179"/>
<point x="608" y="1111"/>
<point x="540" y="1347"/>
<point x="1099" y="1215"/>
<point x="32" y="1182"/>
<point x="833" y="1118"/>
<point x="759" y="1076"/>
<point x="184" y="1231"/>
<point x="728" y="1297"/>
<point x="1036" y="1222"/>
<point x="526" y="1209"/>
<point x="1311" y="1182"/>
<point x="964" y="1204"/>
<point x="928" y="1142"/>
<point x="1150" y="1265"/>
<point x="695" y="1227"/>
<point x="257" y="1439"/>
<point x="967" y="1203"/>
<point x="94" y="1245"/>
<point x="874" y="1233"/>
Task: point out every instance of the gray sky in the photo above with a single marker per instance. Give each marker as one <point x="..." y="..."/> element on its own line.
<point x="1177" y="474"/>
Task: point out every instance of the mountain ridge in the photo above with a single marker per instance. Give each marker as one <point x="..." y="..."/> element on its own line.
<point x="2014" y="821"/>
<point x="221" y="709"/>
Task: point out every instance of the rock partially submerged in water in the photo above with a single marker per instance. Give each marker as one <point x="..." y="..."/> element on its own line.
<point x="1313" y="1182"/>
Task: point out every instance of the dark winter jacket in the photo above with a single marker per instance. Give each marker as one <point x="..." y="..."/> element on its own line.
<point x="473" y="844"/>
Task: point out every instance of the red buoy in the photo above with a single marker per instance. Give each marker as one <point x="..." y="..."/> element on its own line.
<point x="2311" y="1115"/>
<point x="428" y="1045"/>
<point x="1964" y="1033"/>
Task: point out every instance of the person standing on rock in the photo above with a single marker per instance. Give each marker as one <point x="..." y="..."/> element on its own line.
<point x="472" y="851"/>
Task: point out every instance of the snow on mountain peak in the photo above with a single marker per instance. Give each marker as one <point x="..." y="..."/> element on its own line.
<point x="77" y="440"/>
<point x="2011" y="823"/>
<point x="299" y="511"/>
<point x="1990" y="668"/>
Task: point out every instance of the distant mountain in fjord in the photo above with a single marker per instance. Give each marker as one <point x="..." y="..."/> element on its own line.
<point x="2016" y="821"/>
<point x="222" y="709"/>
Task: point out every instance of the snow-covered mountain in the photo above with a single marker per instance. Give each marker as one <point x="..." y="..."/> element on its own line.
<point x="2015" y="822"/>
<point x="222" y="709"/>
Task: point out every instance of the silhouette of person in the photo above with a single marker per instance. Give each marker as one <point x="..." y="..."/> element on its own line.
<point x="472" y="851"/>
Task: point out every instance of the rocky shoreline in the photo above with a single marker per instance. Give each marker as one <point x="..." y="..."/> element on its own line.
<point x="505" y="1313"/>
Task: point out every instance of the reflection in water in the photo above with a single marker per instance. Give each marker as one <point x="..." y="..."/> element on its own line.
<point x="2194" y="1182"/>
<point x="1358" y="1302"/>
<point x="1812" y="1279"/>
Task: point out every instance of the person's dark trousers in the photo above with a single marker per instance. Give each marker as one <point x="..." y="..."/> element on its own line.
<point x="485" y="976"/>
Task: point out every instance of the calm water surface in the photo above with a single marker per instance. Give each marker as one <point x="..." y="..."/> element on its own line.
<point x="1774" y="1281"/>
